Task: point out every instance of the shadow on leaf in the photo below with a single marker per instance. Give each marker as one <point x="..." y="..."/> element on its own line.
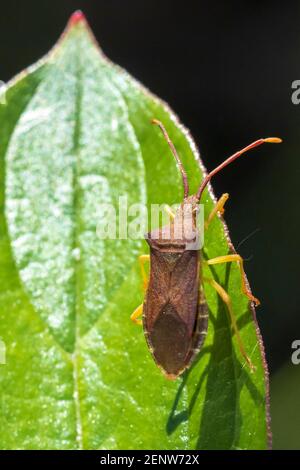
<point x="217" y="430"/>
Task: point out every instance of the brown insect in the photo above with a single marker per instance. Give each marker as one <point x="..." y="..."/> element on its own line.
<point x="175" y="312"/>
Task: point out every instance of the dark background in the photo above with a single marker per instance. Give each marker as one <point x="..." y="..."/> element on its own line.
<point x="226" y="68"/>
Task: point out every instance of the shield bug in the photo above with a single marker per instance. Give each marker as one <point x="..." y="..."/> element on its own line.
<point x="175" y="312"/>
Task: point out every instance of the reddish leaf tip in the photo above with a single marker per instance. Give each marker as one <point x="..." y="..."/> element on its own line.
<point x="76" y="18"/>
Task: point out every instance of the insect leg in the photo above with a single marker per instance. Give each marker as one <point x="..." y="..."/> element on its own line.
<point x="144" y="259"/>
<point x="239" y="259"/>
<point x="169" y="212"/>
<point x="139" y="310"/>
<point x="136" y="314"/>
<point x="219" y="207"/>
<point x="227" y="300"/>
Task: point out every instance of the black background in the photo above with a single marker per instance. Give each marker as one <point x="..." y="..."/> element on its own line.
<point x="226" y="68"/>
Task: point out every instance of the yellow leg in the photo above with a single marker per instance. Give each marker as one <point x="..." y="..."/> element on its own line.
<point x="169" y="212"/>
<point x="227" y="300"/>
<point x="136" y="314"/>
<point x="139" y="310"/>
<point x="144" y="259"/>
<point x="219" y="207"/>
<point x="239" y="259"/>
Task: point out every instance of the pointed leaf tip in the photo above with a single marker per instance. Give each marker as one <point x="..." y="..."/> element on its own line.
<point x="77" y="17"/>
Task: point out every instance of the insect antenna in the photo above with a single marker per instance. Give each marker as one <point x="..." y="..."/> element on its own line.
<point x="174" y="151"/>
<point x="272" y="140"/>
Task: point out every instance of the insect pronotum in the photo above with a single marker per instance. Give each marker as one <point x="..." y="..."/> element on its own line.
<point x="175" y="312"/>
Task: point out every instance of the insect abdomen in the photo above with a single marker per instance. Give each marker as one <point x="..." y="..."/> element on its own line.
<point x="170" y="340"/>
<point x="171" y="309"/>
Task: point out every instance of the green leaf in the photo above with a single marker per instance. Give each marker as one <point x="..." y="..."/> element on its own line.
<point x="75" y="133"/>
